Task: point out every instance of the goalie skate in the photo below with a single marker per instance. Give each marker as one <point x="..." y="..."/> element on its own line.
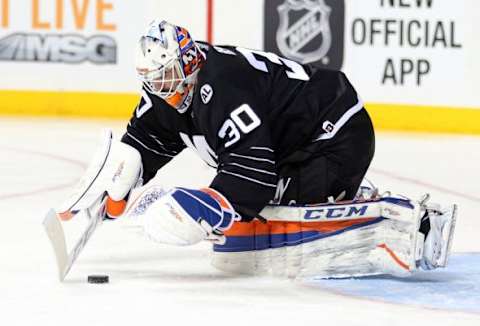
<point x="438" y="241"/>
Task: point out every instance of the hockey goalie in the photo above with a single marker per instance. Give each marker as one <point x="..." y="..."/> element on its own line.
<point x="290" y="143"/>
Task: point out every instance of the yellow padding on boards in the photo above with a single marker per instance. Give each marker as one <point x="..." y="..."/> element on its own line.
<point x="121" y="105"/>
<point x="424" y="118"/>
<point x="68" y="104"/>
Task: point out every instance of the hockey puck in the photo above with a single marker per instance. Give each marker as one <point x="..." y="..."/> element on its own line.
<point x="97" y="279"/>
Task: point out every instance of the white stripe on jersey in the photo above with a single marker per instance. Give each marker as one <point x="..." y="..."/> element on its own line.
<point x="252" y="158"/>
<point x="249" y="179"/>
<point x="345" y="117"/>
<point x="252" y="169"/>
<point x="263" y="148"/>
<point x="148" y="148"/>
<point x="155" y="138"/>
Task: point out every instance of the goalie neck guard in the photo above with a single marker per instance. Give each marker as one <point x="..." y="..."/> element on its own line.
<point x="167" y="62"/>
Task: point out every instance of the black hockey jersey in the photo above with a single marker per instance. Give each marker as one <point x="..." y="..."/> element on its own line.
<point x="250" y="111"/>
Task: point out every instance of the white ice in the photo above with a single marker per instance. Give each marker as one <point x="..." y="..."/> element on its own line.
<point x="151" y="284"/>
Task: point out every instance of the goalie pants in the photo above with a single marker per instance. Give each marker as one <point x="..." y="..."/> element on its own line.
<point x="328" y="167"/>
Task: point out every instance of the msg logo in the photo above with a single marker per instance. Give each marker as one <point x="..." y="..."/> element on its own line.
<point x="61" y="48"/>
<point x="336" y="212"/>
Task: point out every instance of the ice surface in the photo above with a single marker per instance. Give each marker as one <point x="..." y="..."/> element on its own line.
<point x="454" y="288"/>
<point x="161" y="285"/>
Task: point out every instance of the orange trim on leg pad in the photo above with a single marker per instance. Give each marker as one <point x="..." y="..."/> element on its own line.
<point x="394" y="256"/>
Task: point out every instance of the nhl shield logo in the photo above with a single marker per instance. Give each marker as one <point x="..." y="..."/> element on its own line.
<point x="307" y="31"/>
<point x="293" y="37"/>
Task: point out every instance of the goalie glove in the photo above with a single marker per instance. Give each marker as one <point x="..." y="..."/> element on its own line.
<point x="183" y="216"/>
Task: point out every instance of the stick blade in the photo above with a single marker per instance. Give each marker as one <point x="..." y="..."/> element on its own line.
<point x="55" y="233"/>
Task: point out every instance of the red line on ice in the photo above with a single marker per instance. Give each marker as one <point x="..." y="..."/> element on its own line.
<point x="45" y="189"/>
<point x="425" y="184"/>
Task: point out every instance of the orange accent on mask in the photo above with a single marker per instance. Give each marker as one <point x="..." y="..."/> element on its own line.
<point x="177" y="98"/>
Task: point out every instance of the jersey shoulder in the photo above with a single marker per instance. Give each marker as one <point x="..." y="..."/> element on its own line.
<point x="225" y="64"/>
<point x="228" y="79"/>
<point x="226" y="82"/>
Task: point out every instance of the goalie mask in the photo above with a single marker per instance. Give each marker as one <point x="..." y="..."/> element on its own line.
<point x="167" y="62"/>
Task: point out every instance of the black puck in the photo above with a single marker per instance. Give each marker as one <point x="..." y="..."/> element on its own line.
<point x="97" y="279"/>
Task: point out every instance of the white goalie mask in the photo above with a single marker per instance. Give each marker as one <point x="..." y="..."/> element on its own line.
<point x="167" y="62"/>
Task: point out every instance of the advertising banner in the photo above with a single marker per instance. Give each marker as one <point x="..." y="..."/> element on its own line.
<point x="396" y="51"/>
<point x="414" y="62"/>
<point x="306" y="31"/>
<point x="81" y="45"/>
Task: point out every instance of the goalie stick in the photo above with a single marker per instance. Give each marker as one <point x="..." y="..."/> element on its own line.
<point x="54" y="229"/>
<point x="86" y="197"/>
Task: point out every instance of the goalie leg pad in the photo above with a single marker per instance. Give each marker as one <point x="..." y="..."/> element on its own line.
<point x="382" y="237"/>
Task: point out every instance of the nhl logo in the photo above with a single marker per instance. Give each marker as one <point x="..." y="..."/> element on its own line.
<point x="307" y="31"/>
<point x="293" y="37"/>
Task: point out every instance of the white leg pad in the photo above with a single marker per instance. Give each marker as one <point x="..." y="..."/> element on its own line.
<point x="391" y="246"/>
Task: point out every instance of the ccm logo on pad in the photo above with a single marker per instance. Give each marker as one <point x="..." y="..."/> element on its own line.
<point x="336" y="212"/>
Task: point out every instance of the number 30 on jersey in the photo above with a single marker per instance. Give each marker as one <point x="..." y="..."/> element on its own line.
<point x="242" y="119"/>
